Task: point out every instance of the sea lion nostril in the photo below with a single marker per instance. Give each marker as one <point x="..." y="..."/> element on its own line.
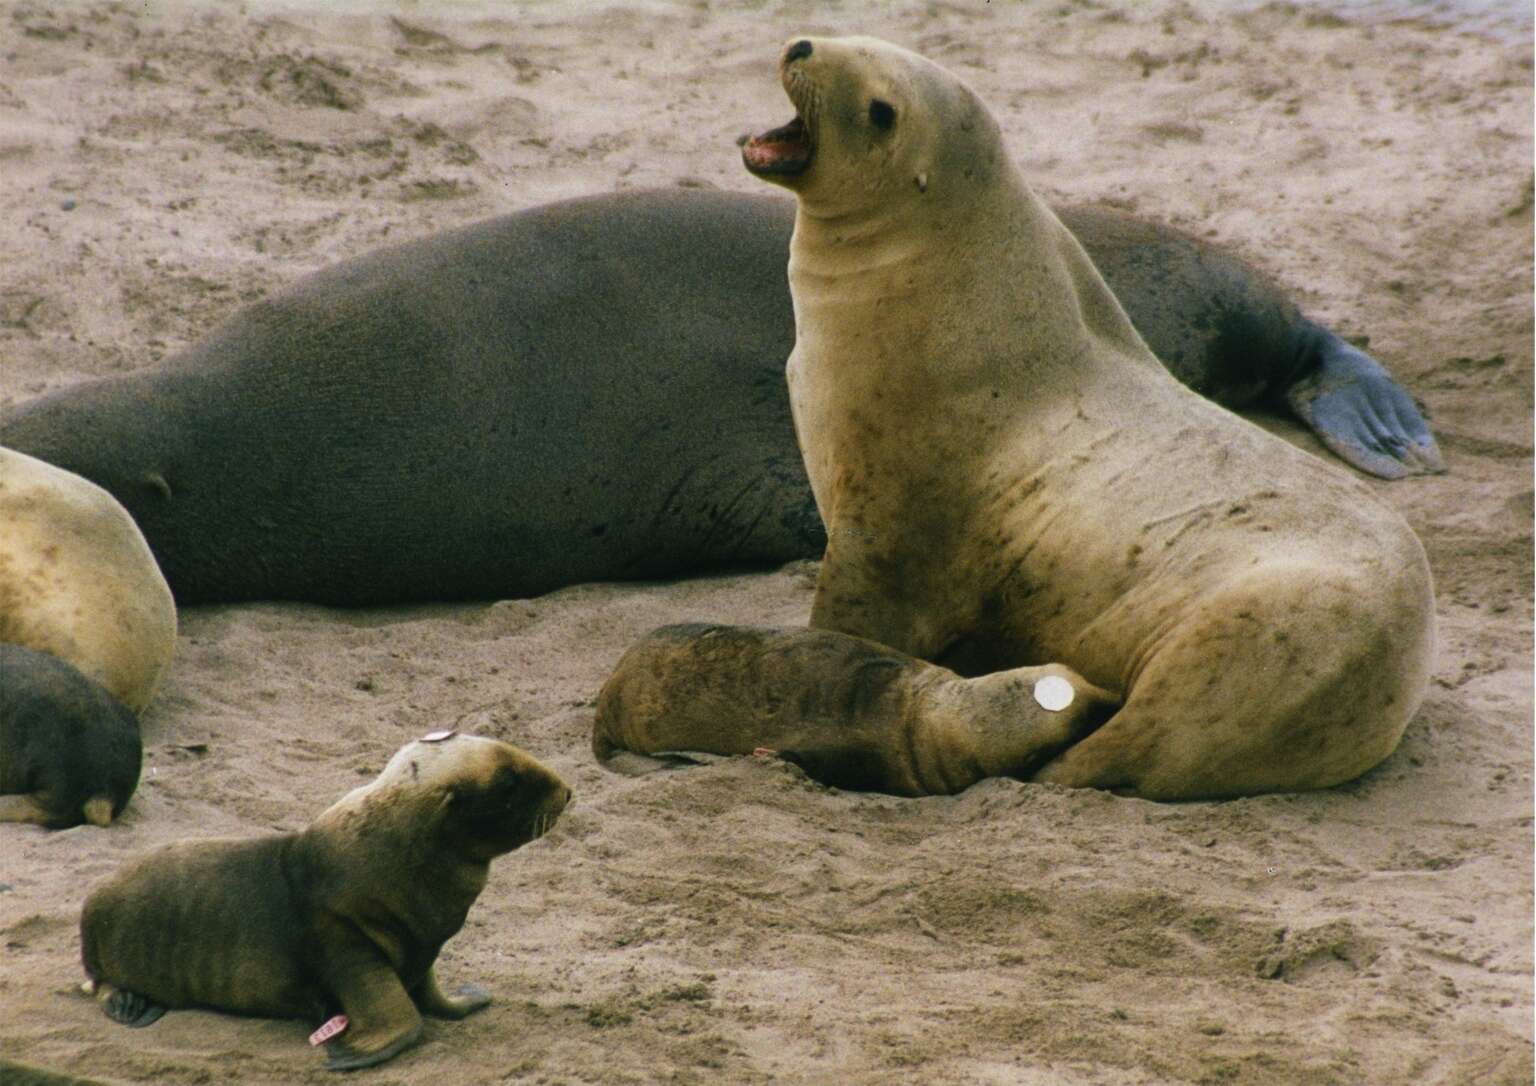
<point x="798" y="51"/>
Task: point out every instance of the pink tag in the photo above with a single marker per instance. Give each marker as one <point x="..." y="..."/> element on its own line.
<point x="438" y="737"/>
<point x="329" y="1030"/>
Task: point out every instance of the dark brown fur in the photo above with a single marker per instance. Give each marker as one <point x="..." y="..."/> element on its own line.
<point x="69" y="751"/>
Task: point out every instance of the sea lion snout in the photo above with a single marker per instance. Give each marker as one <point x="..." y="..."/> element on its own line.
<point x="798" y="49"/>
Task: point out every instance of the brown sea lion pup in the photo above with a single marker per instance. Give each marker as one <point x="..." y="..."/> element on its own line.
<point x="1009" y="475"/>
<point x="69" y="751"/>
<point x="344" y="917"/>
<point x="87" y="630"/>
<point x="852" y="713"/>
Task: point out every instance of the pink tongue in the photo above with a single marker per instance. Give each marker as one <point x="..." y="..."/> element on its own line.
<point x="783" y="148"/>
<point x="766" y="153"/>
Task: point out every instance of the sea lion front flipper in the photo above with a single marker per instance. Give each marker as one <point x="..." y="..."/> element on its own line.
<point x="129" y="1008"/>
<point x="1362" y="414"/>
<point x="382" y="1021"/>
<point x="430" y="999"/>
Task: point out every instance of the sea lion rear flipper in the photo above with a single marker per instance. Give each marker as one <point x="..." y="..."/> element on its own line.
<point x="129" y="1008"/>
<point x="27" y="808"/>
<point x="1362" y="414"/>
<point x="98" y="810"/>
<point x="633" y="764"/>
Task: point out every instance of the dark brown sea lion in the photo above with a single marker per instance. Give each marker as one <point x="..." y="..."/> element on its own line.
<point x="590" y="390"/>
<point x="346" y="916"/>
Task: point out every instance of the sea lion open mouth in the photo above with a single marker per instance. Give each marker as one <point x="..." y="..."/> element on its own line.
<point x="785" y="150"/>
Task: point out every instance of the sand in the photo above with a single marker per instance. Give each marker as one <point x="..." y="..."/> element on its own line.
<point x="160" y="165"/>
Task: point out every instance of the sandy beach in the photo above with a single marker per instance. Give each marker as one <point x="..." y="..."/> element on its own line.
<point x="162" y="164"/>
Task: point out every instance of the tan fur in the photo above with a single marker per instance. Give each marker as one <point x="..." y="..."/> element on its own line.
<point x="77" y="580"/>
<point x="1002" y="463"/>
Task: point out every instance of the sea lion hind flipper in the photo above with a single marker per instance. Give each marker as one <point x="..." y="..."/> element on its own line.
<point x="466" y="1000"/>
<point x="129" y="1008"/>
<point x="1356" y="409"/>
<point x="24" y="808"/>
<point x="634" y="764"/>
<point x="98" y="810"/>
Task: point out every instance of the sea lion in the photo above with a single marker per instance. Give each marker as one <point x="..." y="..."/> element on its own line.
<point x="590" y="390"/>
<point x="853" y="714"/>
<point x="77" y="579"/>
<point x="1007" y="471"/>
<point x="87" y="629"/>
<point x="347" y="915"/>
<point x="69" y="750"/>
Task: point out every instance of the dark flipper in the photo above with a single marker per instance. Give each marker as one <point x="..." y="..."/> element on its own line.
<point x="1361" y="413"/>
<point x="131" y="1009"/>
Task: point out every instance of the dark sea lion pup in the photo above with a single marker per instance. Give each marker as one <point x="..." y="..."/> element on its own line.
<point x="69" y="751"/>
<point x="345" y="917"/>
<point x="87" y="630"/>
<point x="852" y="713"/>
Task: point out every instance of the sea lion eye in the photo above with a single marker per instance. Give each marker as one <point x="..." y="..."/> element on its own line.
<point x="881" y="114"/>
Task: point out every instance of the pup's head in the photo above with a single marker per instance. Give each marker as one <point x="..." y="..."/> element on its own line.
<point x="485" y="797"/>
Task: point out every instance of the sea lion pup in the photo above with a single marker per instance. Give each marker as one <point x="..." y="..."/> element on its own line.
<point x="851" y="713"/>
<point x="77" y="583"/>
<point x="346" y="916"/>
<point x="69" y="751"/>
<point x="444" y="419"/>
<point x="1008" y="474"/>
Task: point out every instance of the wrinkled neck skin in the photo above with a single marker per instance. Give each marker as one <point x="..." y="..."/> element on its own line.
<point x="434" y="886"/>
<point x="887" y="295"/>
<point x="976" y="301"/>
<point x="926" y="318"/>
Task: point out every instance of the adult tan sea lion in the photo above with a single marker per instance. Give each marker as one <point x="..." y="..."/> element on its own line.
<point x="77" y="580"/>
<point x="347" y="915"/>
<point x="87" y="629"/>
<point x="1006" y="471"/>
<point x="851" y="713"/>
<point x="590" y="390"/>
